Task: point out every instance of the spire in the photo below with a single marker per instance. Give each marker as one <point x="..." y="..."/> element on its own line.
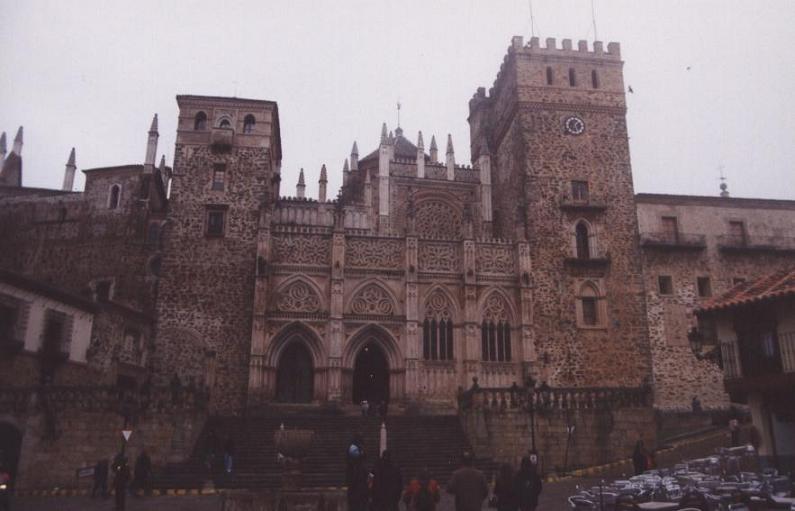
<point x="151" y="147"/>
<point x="420" y="156"/>
<point x="321" y="188"/>
<point x="17" y="149"/>
<point x="69" y="172"/>
<point x="300" y="188"/>
<point x="355" y="156"/>
<point x="345" y="167"/>
<point x="434" y="150"/>
<point x="2" y="147"/>
<point x="162" y="166"/>
<point x="450" y="159"/>
<point x="383" y="134"/>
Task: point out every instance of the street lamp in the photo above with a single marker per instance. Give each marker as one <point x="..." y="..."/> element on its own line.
<point x="532" y="391"/>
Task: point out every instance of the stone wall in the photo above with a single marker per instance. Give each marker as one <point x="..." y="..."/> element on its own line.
<point x="602" y="429"/>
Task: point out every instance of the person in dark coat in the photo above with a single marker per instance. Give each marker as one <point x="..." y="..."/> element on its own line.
<point x="469" y="486"/>
<point x="229" y="453"/>
<point x="387" y="484"/>
<point x="120" y="480"/>
<point x="100" y="478"/>
<point x="527" y="486"/>
<point x="505" y="489"/>
<point x="356" y="480"/>
<point x="639" y="458"/>
<point x="143" y="469"/>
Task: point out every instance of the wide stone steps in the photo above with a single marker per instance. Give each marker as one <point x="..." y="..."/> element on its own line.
<point x="433" y="442"/>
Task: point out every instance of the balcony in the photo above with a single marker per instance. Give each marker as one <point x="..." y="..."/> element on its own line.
<point x="741" y="243"/>
<point x="673" y="241"/>
<point x="598" y="261"/>
<point x="221" y="139"/>
<point x="588" y="204"/>
<point x="759" y="363"/>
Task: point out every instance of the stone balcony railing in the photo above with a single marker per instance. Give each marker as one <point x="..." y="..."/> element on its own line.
<point x="589" y="204"/>
<point x="102" y="399"/>
<point x="556" y="398"/>
<point x="673" y="241"/>
<point x="745" y="243"/>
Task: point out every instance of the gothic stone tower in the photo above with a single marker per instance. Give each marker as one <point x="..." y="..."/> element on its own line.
<point x="555" y="125"/>
<point x="226" y="167"/>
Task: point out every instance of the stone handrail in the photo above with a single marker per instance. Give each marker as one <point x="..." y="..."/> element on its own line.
<point x="102" y="399"/>
<point x="555" y="398"/>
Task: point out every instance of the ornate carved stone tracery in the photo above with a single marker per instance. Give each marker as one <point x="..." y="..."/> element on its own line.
<point x="496" y="309"/>
<point x="439" y="257"/>
<point x="438" y="307"/>
<point x="437" y="219"/>
<point x="377" y="253"/>
<point x="298" y="297"/>
<point x="301" y="250"/>
<point x="495" y="259"/>
<point x="373" y="300"/>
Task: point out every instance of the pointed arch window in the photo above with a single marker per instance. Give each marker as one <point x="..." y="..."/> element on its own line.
<point x="495" y="331"/>
<point x="200" y="121"/>
<point x="582" y="240"/>
<point x="114" y="197"/>
<point x="437" y="329"/>
<point x="225" y="124"/>
<point x="248" y="124"/>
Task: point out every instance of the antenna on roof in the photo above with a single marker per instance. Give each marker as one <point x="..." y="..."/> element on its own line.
<point x="532" y="20"/>
<point x="593" y="18"/>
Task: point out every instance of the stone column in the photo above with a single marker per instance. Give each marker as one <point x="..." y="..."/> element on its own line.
<point x="259" y="371"/>
<point x="471" y="356"/>
<point x="526" y="334"/>
<point x="412" y="306"/>
<point x="336" y="331"/>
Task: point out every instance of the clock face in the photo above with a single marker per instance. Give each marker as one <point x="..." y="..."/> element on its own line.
<point x="574" y="126"/>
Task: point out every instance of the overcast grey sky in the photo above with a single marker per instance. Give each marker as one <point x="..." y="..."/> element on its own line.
<point x="90" y="74"/>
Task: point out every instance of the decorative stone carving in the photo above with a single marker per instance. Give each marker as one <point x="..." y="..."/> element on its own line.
<point x="495" y="259"/>
<point x="376" y="253"/>
<point x="439" y="257"/>
<point x="298" y="297"/>
<point x="373" y="300"/>
<point x="437" y="219"/>
<point x="437" y="306"/>
<point x="495" y="308"/>
<point x="301" y="250"/>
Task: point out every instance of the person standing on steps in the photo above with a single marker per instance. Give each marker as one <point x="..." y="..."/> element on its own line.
<point x="387" y="484"/>
<point x="229" y="453"/>
<point x="356" y="481"/>
<point x="527" y="487"/>
<point x="504" y="489"/>
<point x="468" y="485"/>
<point x="120" y="480"/>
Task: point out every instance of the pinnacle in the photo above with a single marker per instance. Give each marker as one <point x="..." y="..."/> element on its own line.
<point x="3" y="143"/>
<point x="323" y="173"/>
<point x="345" y="167"/>
<point x="162" y="162"/>
<point x="433" y="143"/>
<point x="420" y="144"/>
<point x="71" y="162"/>
<point x="301" y="178"/>
<point x="383" y="133"/>
<point x="153" y="127"/>
<point x="18" y="138"/>
<point x="449" y="144"/>
<point x="355" y="149"/>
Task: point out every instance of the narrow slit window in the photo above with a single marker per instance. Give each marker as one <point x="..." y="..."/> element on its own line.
<point x="550" y="76"/>
<point x="594" y="79"/>
<point x="572" y="77"/>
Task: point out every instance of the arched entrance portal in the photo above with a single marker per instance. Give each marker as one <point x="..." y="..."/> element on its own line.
<point x="295" y="375"/>
<point x="370" y="375"/>
<point x="10" y="445"/>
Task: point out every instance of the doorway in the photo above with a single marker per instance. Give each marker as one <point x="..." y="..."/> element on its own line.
<point x="371" y="375"/>
<point x="295" y="376"/>
<point x="10" y="445"/>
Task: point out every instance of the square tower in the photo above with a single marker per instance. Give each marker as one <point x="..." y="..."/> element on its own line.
<point x="555" y="124"/>
<point x="226" y="166"/>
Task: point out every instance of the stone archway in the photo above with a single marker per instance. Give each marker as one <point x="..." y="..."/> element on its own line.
<point x="295" y="374"/>
<point x="370" y="375"/>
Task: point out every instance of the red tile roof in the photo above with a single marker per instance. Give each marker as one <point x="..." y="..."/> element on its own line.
<point x="775" y="285"/>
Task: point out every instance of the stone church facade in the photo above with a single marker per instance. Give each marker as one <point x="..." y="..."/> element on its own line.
<point x="419" y="277"/>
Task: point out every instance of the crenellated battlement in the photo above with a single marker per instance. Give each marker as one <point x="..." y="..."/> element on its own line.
<point x="566" y="49"/>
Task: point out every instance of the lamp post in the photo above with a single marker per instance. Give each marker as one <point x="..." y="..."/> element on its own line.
<point x="532" y="391"/>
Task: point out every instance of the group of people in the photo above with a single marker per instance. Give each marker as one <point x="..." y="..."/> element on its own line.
<point x="383" y="489"/>
<point x="216" y="457"/>
<point x="380" y="409"/>
<point x="122" y="476"/>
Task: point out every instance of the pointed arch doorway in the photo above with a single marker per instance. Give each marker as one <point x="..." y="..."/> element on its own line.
<point x="371" y="374"/>
<point x="295" y="375"/>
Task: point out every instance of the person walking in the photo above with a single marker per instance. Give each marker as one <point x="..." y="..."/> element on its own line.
<point x="468" y="485"/>
<point x="387" y="484"/>
<point x="120" y="480"/>
<point x="505" y="489"/>
<point x="422" y="493"/>
<point x="528" y="485"/>
<point x="100" y="479"/>
<point x="229" y="453"/>
<point x="141" y="473"/>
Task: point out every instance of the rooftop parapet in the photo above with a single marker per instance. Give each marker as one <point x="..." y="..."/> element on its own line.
<point x="566" y="49"/>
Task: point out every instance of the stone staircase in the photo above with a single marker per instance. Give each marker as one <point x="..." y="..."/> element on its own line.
<point x="434" y="442"/>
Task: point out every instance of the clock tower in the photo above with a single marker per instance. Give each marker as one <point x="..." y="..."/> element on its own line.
<point x="555" y="125"/>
